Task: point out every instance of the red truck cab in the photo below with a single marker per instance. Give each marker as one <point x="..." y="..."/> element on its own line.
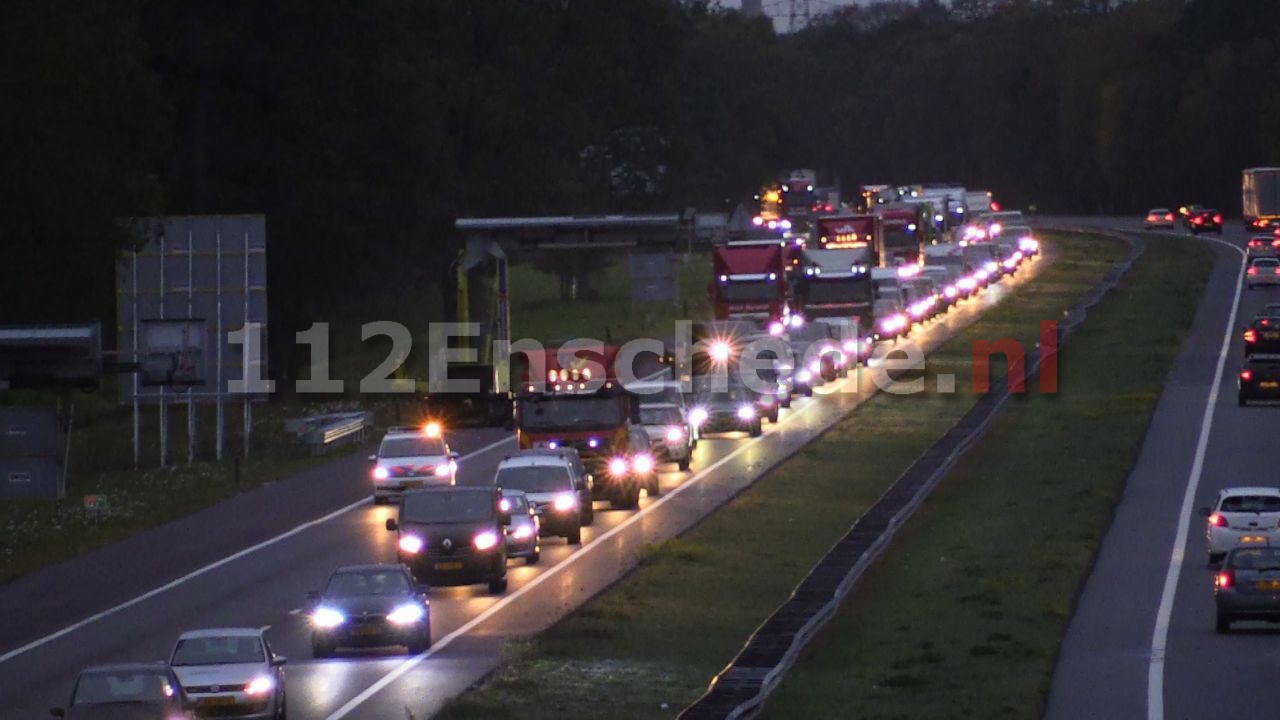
<point x="575" y="400"/>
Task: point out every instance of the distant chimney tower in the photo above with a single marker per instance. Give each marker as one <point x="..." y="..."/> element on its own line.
<point x="753" y="8"/>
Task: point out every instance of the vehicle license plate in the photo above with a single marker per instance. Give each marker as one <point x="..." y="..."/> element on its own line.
<point x="1270" y="384"/>
<point x="1253" y="540"/>
<point x="1271" y="335"/>
<point x="1267" y="585"/>
<point x="411" y="484"/>
<point x="219" y="700"/>
<point x="449" y="566"/>
<point x="365" y="630"/>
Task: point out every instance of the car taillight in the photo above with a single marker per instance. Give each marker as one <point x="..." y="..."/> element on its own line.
<point x="1253" y="271"/>
<point x="1277" y="271"/>
<point x="1198" y="220"/>
<point x="1225" y="579"/>
<point x="1217" y="520"/>
<point x="1169" y="217"/>
<point x="1250" y="336"/>
<point x="1246" y="375"/>
<point x="1275" y="243"/>
<point x="1217" y="219"/>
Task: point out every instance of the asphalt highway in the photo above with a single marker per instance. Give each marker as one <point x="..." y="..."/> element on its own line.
<point x="1142" y="642"/>
<point x="250" y="561"/>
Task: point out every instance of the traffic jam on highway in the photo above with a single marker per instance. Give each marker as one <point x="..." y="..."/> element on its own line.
<point x="823" y="286"/>
<point x="1242" y="531"/>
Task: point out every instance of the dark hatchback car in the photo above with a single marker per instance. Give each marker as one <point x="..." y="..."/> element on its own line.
<point x="1204" y="220"/>
<point x="368" y="606"/>
<point x="1262" y="335"/>
<point x="453" y="536"/>
<point x="127" y="692"/>
<point x="1247" y="587"/>
<point x="1259" y="379"/>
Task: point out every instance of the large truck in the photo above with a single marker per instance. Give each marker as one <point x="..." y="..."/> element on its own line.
<point x="904" y="234"/>
<point x="750" y="281"/>
<point x="799" y="194"/>
<point x="1260" y="198"/>
<point x="836" y="282"/>
<point x="481" y="278"/>
<point x="580" y="403"/>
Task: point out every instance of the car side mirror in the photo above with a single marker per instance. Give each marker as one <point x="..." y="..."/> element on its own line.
<point x="57" y="712"/>
<point x="504" y="518"/>
<point x="278" y="660"/>
<point x="392" y="525"/>
<point x="1204" y="512"/>
<point x="454" y="456"/>
<point x="373" y="458"/>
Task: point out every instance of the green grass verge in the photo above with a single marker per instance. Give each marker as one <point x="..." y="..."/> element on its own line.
<point x="650" y="644"/>
<point x="611" y="316"/>
<point x="963" y="616"/>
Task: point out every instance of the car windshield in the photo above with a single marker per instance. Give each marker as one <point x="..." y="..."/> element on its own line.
<point x="364" y="583"/>
<point x="748" y="290"/>
<point x="571" y="412"/>
<point x="659" y="416"/>
<point x="1250" y="504"/>
<point x="654" y="394"/>
<point x="1255" y="559"/>
<point x="448" y="506"/>
<point x="838" y="290"/>
<point x="221" y="650"/>
<point x="409" y="446"/>
<point x="122" y="686"/>
<point x="534" y="479"/>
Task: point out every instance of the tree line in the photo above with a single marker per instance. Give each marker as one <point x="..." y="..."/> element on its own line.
<point x="362" y="128"/>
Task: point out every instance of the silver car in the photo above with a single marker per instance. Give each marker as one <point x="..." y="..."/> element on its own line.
<point x="230" y="673"/>
<point x="671" y="435"/>
<point x="1263" y="271"/>
<point x="1247" y="586"/>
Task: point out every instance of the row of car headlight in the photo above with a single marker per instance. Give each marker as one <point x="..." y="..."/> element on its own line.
<point x="412" y="544"/>
<point x="327" y="618"/>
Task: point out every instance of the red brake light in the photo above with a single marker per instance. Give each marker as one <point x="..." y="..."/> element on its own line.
<point x="1217" y="219"/>
<point x="1253" y="271"/>
<point x="1250" y="336"/>
<point x="1169" y="217"/>
<point x="1197" y="220"/>
<point x="1277" y="271"/>
<point x="1245" y="375"/>
<point x="1225" y="579"/>
<point x="1275" y="243"/>
<point x="1217" y="520"/>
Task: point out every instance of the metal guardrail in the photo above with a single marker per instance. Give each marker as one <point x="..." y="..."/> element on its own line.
<point x="740" y="690"/>
<point x="320" y="432"/>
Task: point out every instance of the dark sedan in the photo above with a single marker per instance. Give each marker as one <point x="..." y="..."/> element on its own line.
<point x="368" y="606"/>
<point x="126" y="692"/>
<point x="1262" y="336"/>
<point x="1259" y="379"/>
<point x="1205" y="220"/>
<point x="1247" y="587"/>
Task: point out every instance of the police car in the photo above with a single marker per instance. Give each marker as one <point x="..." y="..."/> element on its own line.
<point x="411" y="458"/>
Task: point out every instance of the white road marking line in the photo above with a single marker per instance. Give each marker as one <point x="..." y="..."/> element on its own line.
<point x="296" y="611"/>
<point x="208" y="568"/>
<point x="497" y="607"/>
<point x="1160" y="636"/>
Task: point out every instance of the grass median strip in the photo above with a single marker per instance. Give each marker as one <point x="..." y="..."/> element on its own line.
<point x="964" y="614"/>
<point x="649" y="645"/>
